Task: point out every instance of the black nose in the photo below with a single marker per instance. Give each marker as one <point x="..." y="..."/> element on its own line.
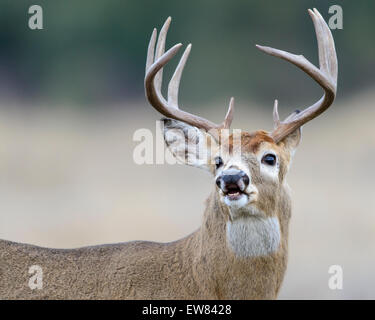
<point x="233" y="178"/>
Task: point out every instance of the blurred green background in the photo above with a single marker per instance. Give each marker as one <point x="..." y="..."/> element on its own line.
<point x="91" y="52"/>
<point x="71" y="98"/>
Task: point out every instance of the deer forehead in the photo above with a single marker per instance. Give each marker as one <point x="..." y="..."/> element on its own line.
<point x="250" y="144"/>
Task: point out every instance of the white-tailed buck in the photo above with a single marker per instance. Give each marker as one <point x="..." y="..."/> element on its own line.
<point x="240" y="250"/>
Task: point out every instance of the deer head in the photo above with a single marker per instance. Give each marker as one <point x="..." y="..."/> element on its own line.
<point x="248" y="168"/>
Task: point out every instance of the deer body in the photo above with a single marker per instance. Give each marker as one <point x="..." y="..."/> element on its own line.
<point x="199" y="266"/>
<point x="240" y="250"/>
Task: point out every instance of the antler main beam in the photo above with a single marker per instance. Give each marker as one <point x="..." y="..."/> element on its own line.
<point x="325" y="76"/>
<point x="156" y="60"/>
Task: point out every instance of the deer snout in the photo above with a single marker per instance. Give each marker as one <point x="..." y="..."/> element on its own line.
<point x="233" y="181"/>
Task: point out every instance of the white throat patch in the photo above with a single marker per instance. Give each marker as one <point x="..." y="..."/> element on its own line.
<point x="253" y="236"/>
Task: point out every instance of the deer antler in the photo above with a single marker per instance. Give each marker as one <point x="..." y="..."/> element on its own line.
<point x="153" y="82"/>
<point x="325" y="76"/>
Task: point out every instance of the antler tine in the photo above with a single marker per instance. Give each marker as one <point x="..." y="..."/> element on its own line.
<point x="174" y="84"/>
<point x="276" y="118"/>
<point x="153" y="83"/>
<point x="160" y="48"/>
<point x="151" y="50"/>
<point x="229" y="116"/>
<point x="326" y="76"/>
<point x="326" y="45"/>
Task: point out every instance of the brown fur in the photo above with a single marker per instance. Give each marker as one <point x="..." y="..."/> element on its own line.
<point x="199" y="266"/>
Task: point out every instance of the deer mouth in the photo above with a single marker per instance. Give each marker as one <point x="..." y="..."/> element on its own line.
<point x="233" y="192"/>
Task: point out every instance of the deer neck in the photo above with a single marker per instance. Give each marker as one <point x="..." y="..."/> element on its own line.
<point x="245" y="257"/>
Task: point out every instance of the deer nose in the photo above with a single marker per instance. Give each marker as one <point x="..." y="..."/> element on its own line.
<point x="233" y="178"/>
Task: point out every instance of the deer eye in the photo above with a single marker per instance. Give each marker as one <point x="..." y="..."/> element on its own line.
<point x="218" y="162"/>
<point x="269" y="159"/>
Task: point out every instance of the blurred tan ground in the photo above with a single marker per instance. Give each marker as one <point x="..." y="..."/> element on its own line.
<point x="67" y="179"/>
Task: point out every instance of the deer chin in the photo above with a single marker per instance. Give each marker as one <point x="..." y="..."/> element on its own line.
<point x="236" y="200"/>
<point x="246" y="211"/>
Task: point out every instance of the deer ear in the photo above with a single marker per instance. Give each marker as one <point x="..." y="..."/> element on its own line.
<point x="188" y="144"/>
<point x="292" y="140"/>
